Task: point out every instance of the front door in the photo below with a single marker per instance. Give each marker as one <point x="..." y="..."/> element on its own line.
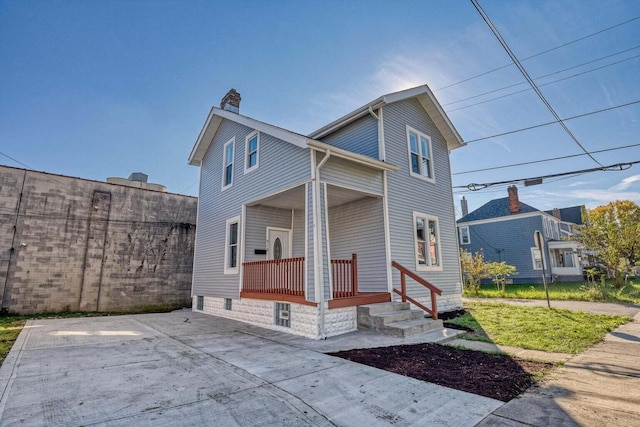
<point x="278" y="246"/>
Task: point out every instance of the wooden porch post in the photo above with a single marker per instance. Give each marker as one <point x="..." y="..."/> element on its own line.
<point x="354" y="274"/>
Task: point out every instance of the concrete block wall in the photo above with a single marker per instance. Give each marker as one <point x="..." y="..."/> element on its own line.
<point x="304" y="318"/>
<point x="73" y="244"/>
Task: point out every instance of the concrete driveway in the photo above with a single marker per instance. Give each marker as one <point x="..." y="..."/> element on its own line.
<point x="186" y="368"/>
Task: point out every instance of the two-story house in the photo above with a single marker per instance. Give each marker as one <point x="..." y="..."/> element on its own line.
<point x="503" y="230"/>
<point x="295" y="231"/>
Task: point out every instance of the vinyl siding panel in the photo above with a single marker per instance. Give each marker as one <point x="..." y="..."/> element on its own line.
<point x="325" y="249"/>
<point x="216" y="206"/>
<point x="510" y="241"/>
<point x="407" y="194"/>
<point x="311" y="245"/>
<point x="343" y="172"/>
<point x="298" y="233"/>
<point x="361" y="137"/>
<point x="256" y="223"/>
<point x="359" y="228"/>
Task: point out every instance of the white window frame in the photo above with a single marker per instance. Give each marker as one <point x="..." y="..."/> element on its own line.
<point x="231" y="142"/>
<point x="227" y="268"/>
<point x="247" y="168"/>
<point x="428" y="266"/>
<point x="468" y="242"/>
<point x="533" y="258"/>
<point x="431" y="178"/>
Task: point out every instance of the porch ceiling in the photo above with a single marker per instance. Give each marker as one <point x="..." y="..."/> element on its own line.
<point x="294" y="198"/>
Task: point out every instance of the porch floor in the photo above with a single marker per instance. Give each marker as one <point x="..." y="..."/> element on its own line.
<point x="360" y="299"/>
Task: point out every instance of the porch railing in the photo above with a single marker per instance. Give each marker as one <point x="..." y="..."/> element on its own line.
<point x="278" y="276"/>
<point x="403" y="289"/>
<point x="345" y="277"/>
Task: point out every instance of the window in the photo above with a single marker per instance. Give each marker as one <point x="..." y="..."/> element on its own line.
<point x="427" y="240"/>
<point x="420" y="155"/>
<point x="465" y="238"/>
<point x="252" y="150"/>
<point x="227" y="172"/>
<point x="282" y="314"/>
<point x="200" y="303"/>
<point x="536" y="257"/>
<point x="231" y="246"/>
<point x="227" y="303"/>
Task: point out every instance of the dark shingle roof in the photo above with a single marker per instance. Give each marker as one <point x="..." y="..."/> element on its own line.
<point x="571" y="214"/>
<point x="495" y="209"/>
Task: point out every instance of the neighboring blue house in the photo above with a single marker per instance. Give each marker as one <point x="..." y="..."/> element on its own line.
<point x="503" y="230"/>
<point x="295" y="231"/>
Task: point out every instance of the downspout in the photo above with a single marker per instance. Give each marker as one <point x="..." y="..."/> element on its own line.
<point x="5" y="294"/>
<point x="319" y="287"/>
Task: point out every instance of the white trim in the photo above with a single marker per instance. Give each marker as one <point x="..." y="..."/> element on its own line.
<point x="431" y="178"/>
<point x="254" y="134"/>
<point x="502" y="218"/>
<point x="387" y="231"/>
<point x="241" y="256"/>
<point x="427" y="218"/>
<point x="289" y="239"/>
<point x="306" y="241"/>
<point x="533" y="258"/>
<point x="254" y="202"/>
<point x="464" y="227"/>
<point x="232" y="141"/>
<point x="382" y="154"/>
<point x="227" y="269"/>
<point x="326" y="227"/>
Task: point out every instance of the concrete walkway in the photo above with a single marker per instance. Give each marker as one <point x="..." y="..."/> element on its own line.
<point x="185" y="368"/>
<point x="599" y="387"/>
<point x="621" y="309"/>
<point x="523" y="353"/>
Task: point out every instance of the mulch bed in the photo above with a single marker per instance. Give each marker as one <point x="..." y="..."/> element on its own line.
<point x="492" y="375"/>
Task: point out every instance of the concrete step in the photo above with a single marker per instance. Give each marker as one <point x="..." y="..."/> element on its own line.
<point x="408" y="328"/>
<point x="383" y="307"/>
<point x="383" y="319"/>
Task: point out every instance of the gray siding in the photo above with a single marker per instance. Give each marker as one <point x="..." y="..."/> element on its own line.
<point x="343" y="172"/>
<point x="359" y="228"/>
<point x="310" y="242"/>
<point x="509" y="241"/>
<point x="360" y="137"/>
<point x="407" y="194"/>
<point x="216" y="206"/>
<point x="298" y="233"/>
<point x="325" y="249"/>
<point x="256" y="223"/>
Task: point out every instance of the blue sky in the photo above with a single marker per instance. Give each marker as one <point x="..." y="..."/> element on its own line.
<point x="104" y="88"/>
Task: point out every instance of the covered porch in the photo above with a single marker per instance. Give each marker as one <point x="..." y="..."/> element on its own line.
<point x="292" y="255"/>
<point x="565" y="260"/>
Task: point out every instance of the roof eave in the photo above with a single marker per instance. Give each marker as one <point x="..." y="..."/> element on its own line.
<point x="354" y="157"/>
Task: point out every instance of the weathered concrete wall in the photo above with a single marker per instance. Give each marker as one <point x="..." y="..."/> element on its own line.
<point x="74" y="244"/>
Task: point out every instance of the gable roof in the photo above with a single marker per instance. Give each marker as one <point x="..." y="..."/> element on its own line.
<point x="571" y="214"/>
<point x="217" y="115"/>
<point x="426" y="98"/>
<point x="495" y="208"/>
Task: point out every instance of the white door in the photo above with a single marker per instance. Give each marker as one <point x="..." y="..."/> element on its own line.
<point x="278" y="246"/>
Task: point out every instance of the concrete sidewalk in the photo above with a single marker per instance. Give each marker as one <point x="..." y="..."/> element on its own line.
<point x="622" y="309"/>
<point x="595" y="388"/>
<point x="185" y="368"/>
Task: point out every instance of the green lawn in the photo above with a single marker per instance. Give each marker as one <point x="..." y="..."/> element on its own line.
<point x="565" y="291"/>
<point x="537" y="328"/>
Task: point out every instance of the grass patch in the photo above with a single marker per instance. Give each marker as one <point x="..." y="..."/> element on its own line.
<point x="537" y="328"/>
<point x="630" y="293"/>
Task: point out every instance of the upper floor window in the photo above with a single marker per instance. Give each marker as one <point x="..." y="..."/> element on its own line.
<point x="227" y="172"/>
<point x="252" y="152"/>
<point x="231" y="246"/>
<point x="465" y="238"/>
<point x="420" y="154"/>
<point x="427" y="240"/>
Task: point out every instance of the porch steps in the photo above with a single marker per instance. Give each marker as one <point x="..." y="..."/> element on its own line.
<point x="395" y="319"/>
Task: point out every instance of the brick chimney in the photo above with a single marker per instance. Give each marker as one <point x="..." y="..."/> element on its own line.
<point x="514" y="202"/>
<point x="556" y="213"/>
<point x="465" y="206"/>
<point x="231" y="101"/>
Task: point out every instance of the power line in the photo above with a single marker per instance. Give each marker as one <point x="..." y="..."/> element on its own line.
<point x="515" y="60"/>
<point x="542" y="85"/>
<point x="540" y="53"/>
<point x="615" y="167"/>
<point x="553" y="73"/>
<point x="553" y="122"/>
<point x="544" y="160"/>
